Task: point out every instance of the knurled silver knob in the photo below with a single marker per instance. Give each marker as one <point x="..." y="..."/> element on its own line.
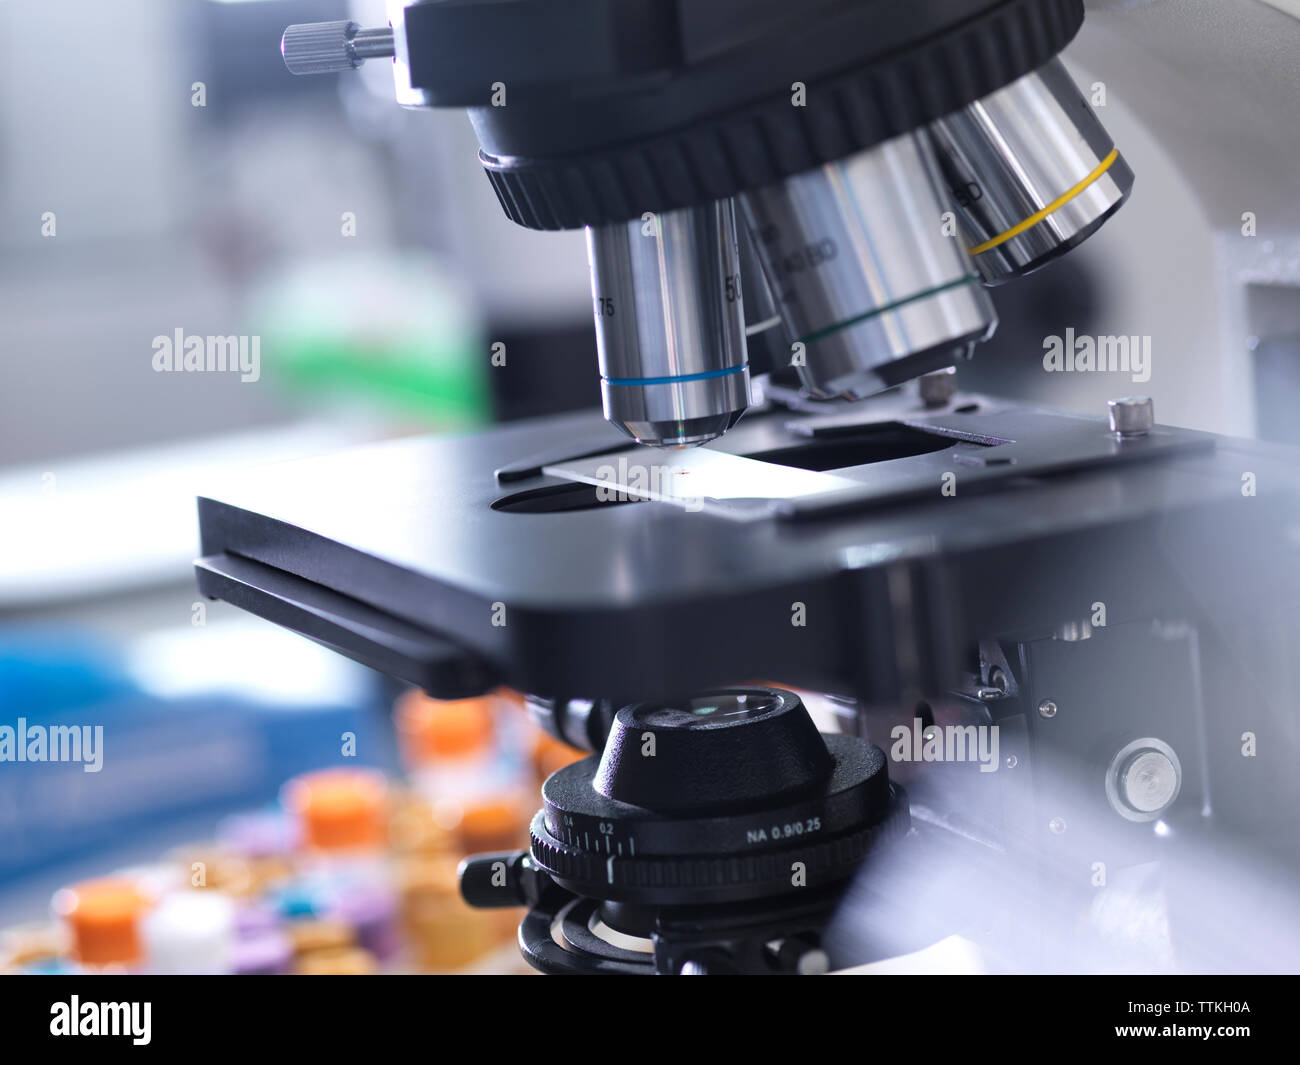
<point x="1132" y="415"/>
<point x="328" y="47"/>
<point x="939" y="387"/>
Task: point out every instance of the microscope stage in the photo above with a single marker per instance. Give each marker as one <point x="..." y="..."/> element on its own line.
<point x="456" y="563"/>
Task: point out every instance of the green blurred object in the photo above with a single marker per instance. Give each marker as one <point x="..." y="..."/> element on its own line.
<point x="395" y="332"/>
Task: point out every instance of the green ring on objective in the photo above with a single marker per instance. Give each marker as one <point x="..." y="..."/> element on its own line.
<point x="859" y="319"/>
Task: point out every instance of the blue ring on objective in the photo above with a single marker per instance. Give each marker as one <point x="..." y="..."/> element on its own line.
<point x="703" y="376"/>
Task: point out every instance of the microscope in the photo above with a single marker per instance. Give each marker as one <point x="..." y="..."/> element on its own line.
<point x="865" y="667"/>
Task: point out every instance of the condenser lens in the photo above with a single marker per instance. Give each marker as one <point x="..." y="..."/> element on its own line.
<point x="714" y="709"/>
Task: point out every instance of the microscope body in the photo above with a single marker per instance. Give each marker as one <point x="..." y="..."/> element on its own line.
<point x="1045" y="647"/>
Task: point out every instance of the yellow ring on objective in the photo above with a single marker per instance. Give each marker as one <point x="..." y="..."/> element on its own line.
<point x="1059" y="202"/>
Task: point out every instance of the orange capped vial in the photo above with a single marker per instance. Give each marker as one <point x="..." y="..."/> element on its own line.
<point x="104" y="918"/>
<point x="339" y="809"/>
<point x="429" y="730"/>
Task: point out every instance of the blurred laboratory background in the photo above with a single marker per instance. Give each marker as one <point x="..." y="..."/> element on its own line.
<point x="160" y="171"/>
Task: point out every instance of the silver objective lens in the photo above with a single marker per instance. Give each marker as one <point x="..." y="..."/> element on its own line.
<point x="670" y="325"/>
<point x="872" y="289"/>
<point x="1031" y="171"/>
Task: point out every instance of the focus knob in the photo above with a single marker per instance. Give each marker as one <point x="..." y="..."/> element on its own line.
<point x="328" y="47"/>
